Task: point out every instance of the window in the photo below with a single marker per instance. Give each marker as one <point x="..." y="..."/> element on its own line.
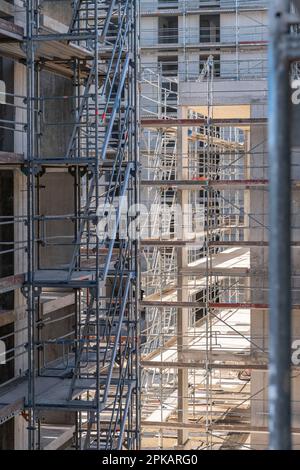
<point x="209" y="28"/>
<point x="168" y="30"/>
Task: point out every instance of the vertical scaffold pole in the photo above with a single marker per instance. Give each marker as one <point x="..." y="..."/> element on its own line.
<point x="280" y="232"/>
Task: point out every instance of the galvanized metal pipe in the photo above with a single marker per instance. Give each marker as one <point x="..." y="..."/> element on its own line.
<point x="280" y="231"/>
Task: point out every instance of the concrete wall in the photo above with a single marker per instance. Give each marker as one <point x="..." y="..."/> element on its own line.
<point x="53" y="328"/>
<point x="258" y="283"/>
<point x="6" y="299"/>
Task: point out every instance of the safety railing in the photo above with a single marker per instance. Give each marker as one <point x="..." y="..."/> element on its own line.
<point x="204" y="36"/>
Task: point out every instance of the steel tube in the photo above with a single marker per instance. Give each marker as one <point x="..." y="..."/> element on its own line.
<point x="280" y="232"/>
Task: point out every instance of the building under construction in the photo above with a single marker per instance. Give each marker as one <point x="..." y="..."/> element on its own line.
<point x="137" y="294"/>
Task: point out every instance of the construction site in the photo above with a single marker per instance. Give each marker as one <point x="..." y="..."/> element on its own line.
<point x="149" y="211"/>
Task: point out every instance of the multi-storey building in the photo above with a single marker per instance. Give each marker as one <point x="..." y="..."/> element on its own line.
<point x="71" y="305"/>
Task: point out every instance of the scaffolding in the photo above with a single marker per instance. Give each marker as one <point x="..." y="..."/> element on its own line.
<point x="175" y="356"/>
<point x="202" y="290"/>
<point x="185" y="26"/>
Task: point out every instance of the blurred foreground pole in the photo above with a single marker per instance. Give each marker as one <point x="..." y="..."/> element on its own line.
<point x="280" y="230"/>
